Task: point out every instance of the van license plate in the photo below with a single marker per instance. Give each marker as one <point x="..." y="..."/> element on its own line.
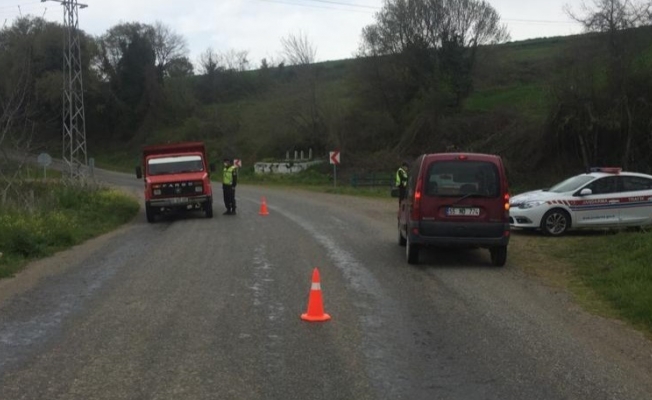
<point x="468" y="212"/>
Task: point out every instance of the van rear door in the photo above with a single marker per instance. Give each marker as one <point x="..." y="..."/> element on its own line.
<point x="462" y="198"/>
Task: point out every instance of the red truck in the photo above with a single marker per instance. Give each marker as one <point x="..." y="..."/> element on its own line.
<point x="177" y="177"/>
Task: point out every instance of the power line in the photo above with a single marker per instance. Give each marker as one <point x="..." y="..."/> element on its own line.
<point x="23" y="10"/>
<point x="315" y="6"/>
<point x="338" y="3"/>
<point x="538" y="21"/>
<point x="18" y="5"/>
<point x="345" y="4"/>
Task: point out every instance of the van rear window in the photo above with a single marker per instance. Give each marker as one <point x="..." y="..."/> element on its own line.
<point x="462" y="178"/>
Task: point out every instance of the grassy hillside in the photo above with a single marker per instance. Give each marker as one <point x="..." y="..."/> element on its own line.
<point x="507" y="113"/>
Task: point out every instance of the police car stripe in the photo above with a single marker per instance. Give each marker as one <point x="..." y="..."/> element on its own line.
<point x="609" y="206"/>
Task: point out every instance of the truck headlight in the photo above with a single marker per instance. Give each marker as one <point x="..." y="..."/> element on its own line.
<point x="157" y="192"/>
<point x="199" y="189"/>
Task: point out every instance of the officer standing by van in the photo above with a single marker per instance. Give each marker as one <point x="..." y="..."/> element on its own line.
<point x="229" y="181"/>
<point x="401" y="181"/>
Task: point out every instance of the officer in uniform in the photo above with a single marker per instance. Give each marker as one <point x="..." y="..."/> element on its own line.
<point x="229" y="181"/>
<point x="401" y="181"/>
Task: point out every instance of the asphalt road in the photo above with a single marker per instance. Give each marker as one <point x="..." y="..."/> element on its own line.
<point x="195" y="308"/>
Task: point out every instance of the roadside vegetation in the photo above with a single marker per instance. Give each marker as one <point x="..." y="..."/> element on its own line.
<point x="607" y="271"/>
<point x="612" y="274"/>
<point x="39" y="218"/>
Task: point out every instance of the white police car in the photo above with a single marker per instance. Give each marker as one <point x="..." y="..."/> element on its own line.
<point x="604" y="197"/>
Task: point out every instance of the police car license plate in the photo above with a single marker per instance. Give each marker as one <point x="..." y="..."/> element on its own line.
<point x="463" y="211"/>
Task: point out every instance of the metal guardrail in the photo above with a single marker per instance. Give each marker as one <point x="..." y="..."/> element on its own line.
<point x="373" y="180"/>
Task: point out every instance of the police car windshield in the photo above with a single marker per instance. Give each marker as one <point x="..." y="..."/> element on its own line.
<point x="571" y="184"/>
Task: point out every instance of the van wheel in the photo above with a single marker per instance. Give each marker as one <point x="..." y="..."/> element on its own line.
<point x="498" y="255"/>
<point x="401" y="240"/>
<point x="150" y="213"/>
<point x="411" y="252"/>
<point x="555" y="222"/>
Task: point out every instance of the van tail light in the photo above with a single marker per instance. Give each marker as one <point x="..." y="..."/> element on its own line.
<point x="416" y="204"/>
<point x="506" y="198"/>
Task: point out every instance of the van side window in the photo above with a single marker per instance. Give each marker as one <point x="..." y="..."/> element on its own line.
<point x="462" y="178"/>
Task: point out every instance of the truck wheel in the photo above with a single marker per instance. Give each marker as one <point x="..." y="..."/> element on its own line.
<point x="150" y="213"/>
<point x="208" y="209"/>
<point x="411" y="252"/>
<point x="498" y="255"/>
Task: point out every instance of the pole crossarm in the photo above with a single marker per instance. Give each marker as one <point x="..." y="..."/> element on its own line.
<point x="64" y="1"/>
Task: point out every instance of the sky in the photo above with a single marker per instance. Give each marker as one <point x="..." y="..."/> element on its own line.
<point x="257" y="26"/>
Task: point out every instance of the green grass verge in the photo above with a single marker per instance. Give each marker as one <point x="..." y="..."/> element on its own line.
<point x="531" y="99"/>
<point x="312" y="180"/>
<point x="613" y="274"/>
<point x="53" y="216"/>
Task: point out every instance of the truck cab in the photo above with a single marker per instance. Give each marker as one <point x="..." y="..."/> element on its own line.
<point x="177" y="177"/>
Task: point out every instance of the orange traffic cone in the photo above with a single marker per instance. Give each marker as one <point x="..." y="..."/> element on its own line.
<point x="263" y="207"/>
<point x="315" y="302"/>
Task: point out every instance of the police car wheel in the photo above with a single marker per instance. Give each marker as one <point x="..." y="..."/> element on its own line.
<point x="555" y="222"/>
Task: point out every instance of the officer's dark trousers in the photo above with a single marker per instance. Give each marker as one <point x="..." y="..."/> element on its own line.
<point x="229" y="197"/>
<point x="402" y="193"/>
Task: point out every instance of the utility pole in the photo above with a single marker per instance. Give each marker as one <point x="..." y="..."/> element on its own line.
<point x="74" y="120"/>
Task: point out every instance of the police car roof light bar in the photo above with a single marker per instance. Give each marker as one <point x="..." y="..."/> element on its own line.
<point x="607" y="170"/>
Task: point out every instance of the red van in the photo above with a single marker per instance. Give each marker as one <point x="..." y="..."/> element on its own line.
<point x="456" y="199"/>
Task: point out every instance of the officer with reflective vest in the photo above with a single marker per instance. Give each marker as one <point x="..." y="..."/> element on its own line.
<point x="401" y="181"/>
<point x="229" y="181"/>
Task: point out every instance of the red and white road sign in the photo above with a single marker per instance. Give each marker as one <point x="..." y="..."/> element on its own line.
<point x="335" y="157"/>
<point x="237" y="163"/>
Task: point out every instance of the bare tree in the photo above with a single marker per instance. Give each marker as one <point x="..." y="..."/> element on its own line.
<point x="16" y="130"/>
<point x="235" y="60"/>
<point x="610" y="15"/>
<point x="210" y="62"/>
<point x="298" y="50"/>
<point x="405" y="24"/>
<point x="616" y="18"/>
<point x="420" y="56"/>
<point x="168" y="46"/>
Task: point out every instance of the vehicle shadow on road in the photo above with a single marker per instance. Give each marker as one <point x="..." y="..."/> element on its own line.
<point x="454" y="257"/>
<point x="172" y="216"/>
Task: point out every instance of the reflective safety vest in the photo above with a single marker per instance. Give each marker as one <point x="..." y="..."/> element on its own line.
<point x="401" y="177"/>
<point x="229" y="173"/>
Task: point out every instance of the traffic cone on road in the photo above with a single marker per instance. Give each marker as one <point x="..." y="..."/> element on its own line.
<point x="263" y="207"/>
<point x="315" y="302"/>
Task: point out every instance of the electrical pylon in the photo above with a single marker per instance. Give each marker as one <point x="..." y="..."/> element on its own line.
<point x="74" y="120"/>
